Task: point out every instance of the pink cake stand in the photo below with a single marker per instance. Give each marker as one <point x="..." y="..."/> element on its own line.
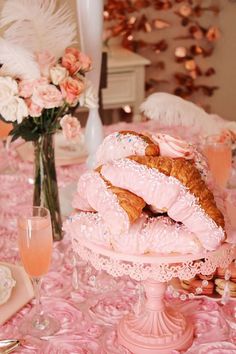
<point x="158" y="328"/>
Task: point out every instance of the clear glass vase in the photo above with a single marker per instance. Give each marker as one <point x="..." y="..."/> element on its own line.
<point x="45" y="182"/>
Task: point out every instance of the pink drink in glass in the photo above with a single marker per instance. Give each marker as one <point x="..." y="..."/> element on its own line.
<point x="219" y="155"/>
<point x="35" y="244"/>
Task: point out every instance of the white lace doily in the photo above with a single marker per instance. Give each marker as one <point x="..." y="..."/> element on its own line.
<point x="157" y="267"/>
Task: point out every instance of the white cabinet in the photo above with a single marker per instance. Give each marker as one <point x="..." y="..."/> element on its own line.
<point x="125" y="81"/>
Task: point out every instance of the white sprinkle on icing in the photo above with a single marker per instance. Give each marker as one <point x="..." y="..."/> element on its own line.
<point x="163" y="191"/>
<point x="146" y="235"/>
<point x="118" y="145"/>
<point x="97" y="194"/>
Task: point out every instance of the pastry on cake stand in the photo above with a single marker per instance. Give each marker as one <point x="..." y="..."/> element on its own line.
<point x="158" y="328"/>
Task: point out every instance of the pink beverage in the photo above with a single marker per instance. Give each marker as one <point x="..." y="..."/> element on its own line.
<point x="219" y="157"/>
<point x="35" y="244"/>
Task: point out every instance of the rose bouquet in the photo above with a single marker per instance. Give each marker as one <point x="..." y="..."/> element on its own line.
<point x="38" y="106"/>
<point x="42" y="80"/>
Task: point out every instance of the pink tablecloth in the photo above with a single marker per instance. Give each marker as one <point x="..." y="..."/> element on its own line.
<point x="88" y="315"/>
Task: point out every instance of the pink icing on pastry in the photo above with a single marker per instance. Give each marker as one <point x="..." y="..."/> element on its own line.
<point x="117" y="145"/>
<point x="90" y="226"/>
<point x="93" y="194"/>
<point x="167" y="194"/>
<point x="146" y="235"/>
<point x="158" y="235"/>
<point x="173" y="147"/>
<point x="80" y="203"/>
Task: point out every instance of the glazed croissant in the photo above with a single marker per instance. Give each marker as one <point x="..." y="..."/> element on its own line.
<point x="186" y="172"/>
<point x="118" y="207"/>
<point x="131" y="203"/>
<point x="152" y="149"/>
<point x="125" y="143"/>
<point x="165" y="177"/>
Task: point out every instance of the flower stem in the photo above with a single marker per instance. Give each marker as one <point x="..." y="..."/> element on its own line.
<point x="46" y="189"/>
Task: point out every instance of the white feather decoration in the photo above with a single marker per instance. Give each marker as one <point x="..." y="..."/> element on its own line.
<point x="171" y="110"/>
<point x="17" y="62"/>
<point x="39" y="25"/>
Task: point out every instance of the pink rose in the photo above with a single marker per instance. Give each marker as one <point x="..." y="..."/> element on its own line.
<point x="47" y="96"/>
<point x="71" y="63"/>
<point x="71" y="127"/>
<point x="34" y="109"/>
<point x="74" y="60"/>
<point x="73" y="51"/>
<point x="58" y="284"/>
<point x="213" y="347"/>
<point x="71" y="90"/>
<point x="110" y="310"/>
<point x="45" y="60"/>
<point x="26" y="87"/>
<point x="75" y="344"/>
<point x="85" y="62"/>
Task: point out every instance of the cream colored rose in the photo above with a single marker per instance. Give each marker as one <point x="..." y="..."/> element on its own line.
<point x="58" y="73"/>
<point x="8" y="88"/>
<point x="16" y="110"/>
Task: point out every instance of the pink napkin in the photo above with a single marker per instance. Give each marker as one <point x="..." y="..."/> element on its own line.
<point x="20" y="295"/>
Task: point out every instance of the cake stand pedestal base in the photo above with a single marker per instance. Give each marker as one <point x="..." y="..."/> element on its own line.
<point x="157" y="328"/>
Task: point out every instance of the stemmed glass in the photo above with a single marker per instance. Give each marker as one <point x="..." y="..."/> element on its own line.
<point x="35" y="246"/>
<point x="217" y="149"/>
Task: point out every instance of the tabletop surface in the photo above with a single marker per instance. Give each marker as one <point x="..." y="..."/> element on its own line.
<point x="80" y="297"/>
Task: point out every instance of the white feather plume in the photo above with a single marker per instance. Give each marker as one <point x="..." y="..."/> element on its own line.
<point x="171" y="110"/>
<point x="17" y="62"/>
<point x="39" y="25"/>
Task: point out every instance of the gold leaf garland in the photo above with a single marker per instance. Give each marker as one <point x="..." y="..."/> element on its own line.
<point x="189" y="73"/>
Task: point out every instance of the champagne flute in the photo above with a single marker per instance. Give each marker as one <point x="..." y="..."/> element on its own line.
<point x="35" y="246"/>
<point x="217" y="149"/>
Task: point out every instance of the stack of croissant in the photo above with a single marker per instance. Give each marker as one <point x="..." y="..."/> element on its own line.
<point x="180" y="168"/>
<point x="142" y="153"/>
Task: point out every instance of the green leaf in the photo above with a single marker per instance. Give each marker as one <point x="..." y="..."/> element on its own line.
<point x="31" y="128"/>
